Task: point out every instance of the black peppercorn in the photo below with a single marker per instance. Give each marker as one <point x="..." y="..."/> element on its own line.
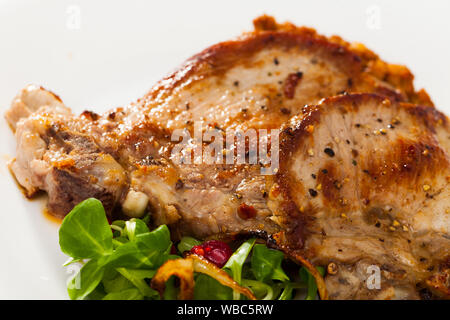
<point x="329" y="152"/>
<point x="312" y="192"/>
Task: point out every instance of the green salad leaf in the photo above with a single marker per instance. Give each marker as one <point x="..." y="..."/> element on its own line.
<point x="236" y="262"/>
<point x="307" y="277"/>
<point x="287" y="293"/>
<point x="118" y="263"/>
<point x="171" y="292"/>
<point x="85" y="232"/>
<point x="138" y="280"/>
<point x="207" y="288"/>
<point x="134" y="227"/>
<point x="113" y="281"/>
<point x="146" y="251"/>
<point x="82" y="283"/>
<point x="260" y="289"/>
<point x="266" y="264"/>
<point x="119" y="260"/>
<point x="187" y="243"/>
<point x="128" y="294"/>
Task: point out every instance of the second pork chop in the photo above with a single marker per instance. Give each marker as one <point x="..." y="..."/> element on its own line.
<point x="370" y="186"/>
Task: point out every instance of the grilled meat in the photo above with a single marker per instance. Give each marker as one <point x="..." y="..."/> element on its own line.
<point x="262" y="80"/>
<point x="257" y="81"/>
<point x="369" y="185"/>
<point x="55" y="155"/>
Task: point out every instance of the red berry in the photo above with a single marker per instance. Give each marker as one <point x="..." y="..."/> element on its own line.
<point x="218" y="252"/>
<point x="218" y="257"/>
<point x="215" y="251"/>
<point x="198" y="250"/>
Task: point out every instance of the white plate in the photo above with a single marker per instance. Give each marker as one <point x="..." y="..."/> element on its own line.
<point x="100" y="54"/>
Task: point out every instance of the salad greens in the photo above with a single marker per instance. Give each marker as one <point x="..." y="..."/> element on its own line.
<point x="237" y="260"/>
<point x="85" y="232"/>
<point x="118" y="261"/>
<point x="187" y="243"/>
<point x="266" y="264"/>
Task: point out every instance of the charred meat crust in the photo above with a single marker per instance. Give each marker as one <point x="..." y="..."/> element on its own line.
<point x="415" y="155"/>
<point x="218" y="58"/>
<point x="353" y="59"/>
<point x="397" y="76"/>
<point x="411" y="153"/>
<point x="297" y="127"/>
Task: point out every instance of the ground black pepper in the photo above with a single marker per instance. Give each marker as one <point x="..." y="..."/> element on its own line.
<point x="312" y="192"/>
<point x="329" y="152"/>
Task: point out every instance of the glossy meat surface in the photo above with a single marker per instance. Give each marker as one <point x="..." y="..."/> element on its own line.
<point x="370" y="184"/>
<point x="261" y="80"/>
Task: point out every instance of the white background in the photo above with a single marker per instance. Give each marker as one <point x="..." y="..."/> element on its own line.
<point x="102" y="54"/>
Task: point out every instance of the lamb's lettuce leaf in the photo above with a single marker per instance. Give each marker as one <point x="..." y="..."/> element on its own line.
<point x="128" y="294"/>
<point x="85" y="232"/>
<point x="146" y="250"/>
<point x="307" y="277"/>
<point x="119" y="260"/>
<point x="83" y="282"/>
<point x="187" y="243"/>
<point x="207" y="288"/>
<point x="236" y="262"/>
<point x="119" y="263"/>
<point x="266" y="264"/>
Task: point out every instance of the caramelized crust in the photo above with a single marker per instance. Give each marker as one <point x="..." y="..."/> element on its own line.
<point x="368" y="185"/>
<point x="398" y="76"/>
<point x="364" y="70"/>
<point x="376" y="158"/>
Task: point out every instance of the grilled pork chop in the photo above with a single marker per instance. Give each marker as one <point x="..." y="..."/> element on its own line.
<point x="369" y="185"/>
<point x="257" y="81"/>
<point x="123" y="157"/>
